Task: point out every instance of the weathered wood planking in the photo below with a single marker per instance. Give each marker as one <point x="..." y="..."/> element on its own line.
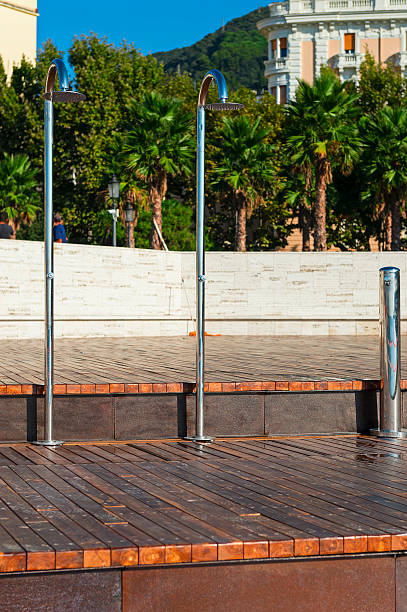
<point x="139" y="503"/>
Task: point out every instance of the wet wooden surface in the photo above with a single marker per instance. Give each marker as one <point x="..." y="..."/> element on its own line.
<point x="169" y="502"/>
<point x="150" y="360"/>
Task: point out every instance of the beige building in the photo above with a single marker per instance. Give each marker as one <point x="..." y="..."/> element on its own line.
<point x="304" y="35"/>
<point x="18" y="31"/>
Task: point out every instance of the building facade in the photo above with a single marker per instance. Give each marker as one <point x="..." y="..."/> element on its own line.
<point x="18" y="32"/>
<point x="304" y="35"/>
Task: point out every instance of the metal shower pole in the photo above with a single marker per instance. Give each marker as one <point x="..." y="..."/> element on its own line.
<point x="390" y="352"/>
<point x="200" y="237"/>
<point x="64" y="95"/>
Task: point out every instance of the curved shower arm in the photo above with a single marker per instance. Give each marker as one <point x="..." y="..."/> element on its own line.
<point x="207" y="80"/>
<point x="57" y="67"/>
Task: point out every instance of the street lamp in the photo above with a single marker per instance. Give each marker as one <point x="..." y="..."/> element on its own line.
<point x="129" y="217"/>
<point x="114" y="193"/>
<point x="63" y="95"/>
<point x="222" y="105"/>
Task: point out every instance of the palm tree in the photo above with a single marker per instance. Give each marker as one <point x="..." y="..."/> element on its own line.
<point x="322" y="131"/>
<point x="159" y="143"/>
<point x="244" y="167"/>
<point x="18" y="196"/>
<point x="385" y="137"/>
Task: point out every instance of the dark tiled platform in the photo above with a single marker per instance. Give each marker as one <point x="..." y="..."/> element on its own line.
<point x="319" y="523"/>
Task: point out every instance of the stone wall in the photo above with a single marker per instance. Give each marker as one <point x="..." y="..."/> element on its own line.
<point x="118" y="292"/>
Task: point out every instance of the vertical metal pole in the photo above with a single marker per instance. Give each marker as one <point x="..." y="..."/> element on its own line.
<point x="49" y="270"/>
<point x="390" y="395"/>
<point x="114" y="222"/>
<point x="200" y="278"/>
<point x="49" y="277"/>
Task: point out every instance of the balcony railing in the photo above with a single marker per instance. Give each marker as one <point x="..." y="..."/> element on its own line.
<point x="349" y="60"/>
<point x="279" y="8"/>
<point x="347" y="4"/>
<point x="278" y="64"/>
<point x="329" y="6"/>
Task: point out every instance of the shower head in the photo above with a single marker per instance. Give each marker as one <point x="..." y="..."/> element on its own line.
<point x="224" y="106"/>
<point x="58" y="67"/>
<point x="66" y="96"/>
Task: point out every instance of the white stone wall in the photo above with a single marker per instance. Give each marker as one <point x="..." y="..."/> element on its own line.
<point x="118" y="292"/>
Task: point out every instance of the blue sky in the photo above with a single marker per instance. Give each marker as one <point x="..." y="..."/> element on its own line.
<point x="152" y="26"/>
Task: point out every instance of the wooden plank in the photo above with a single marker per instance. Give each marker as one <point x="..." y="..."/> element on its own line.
<point x="366" y="509"/>
<point x="35" y="520"/>
<point x="101" y="452"/>
<point x="73" y="509"/>
<point x="322" y="473"/>
<point x="28" y="452"/>
<point x="142" y="508"/>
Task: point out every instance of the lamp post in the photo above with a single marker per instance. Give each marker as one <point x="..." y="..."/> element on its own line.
<point x="65" y="95"/>
<point x="114" y="193"/>
<point x="222" y="105"/>
<point x="129" y="216"/>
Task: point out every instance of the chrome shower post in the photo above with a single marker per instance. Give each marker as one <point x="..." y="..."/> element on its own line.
<point x="200" y="238"/>
<point x="390" y="394"/>
<point x="64" y="95"/>
<point x="200" y="276"/>
<point x="49" y="274"/>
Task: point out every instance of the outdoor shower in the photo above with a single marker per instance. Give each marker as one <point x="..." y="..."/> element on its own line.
<point x="63" y="95"/>
<point x="222" y="105"/>
<point x="390" y="356"/>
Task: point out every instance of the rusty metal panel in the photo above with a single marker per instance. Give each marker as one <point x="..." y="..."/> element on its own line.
<point x="345" y="585"/>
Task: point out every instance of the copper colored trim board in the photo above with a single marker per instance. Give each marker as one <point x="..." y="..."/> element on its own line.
<point x="212" y="387"/>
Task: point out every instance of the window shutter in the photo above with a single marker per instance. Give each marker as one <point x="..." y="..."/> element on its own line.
<point x="349" y="42"/>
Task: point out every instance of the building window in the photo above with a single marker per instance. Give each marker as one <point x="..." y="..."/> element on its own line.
<point x="283" y="47"/>
<point x="283" y="94"/>
<point x="273" y="49"/>
<point x="349" y="43"/>
<point x="273" y="91"/>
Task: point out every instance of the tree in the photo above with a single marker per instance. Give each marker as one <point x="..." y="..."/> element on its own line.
<point x="244" y="169"/>
<point x="379" y="85"/>
<point x="177" y="222"/>
<point x="298" y="184"/>
<point x="385" y="138"/>
<point x="159" y="143"/>
<point x="323" y="130"/>
<point x="18" y="196"/>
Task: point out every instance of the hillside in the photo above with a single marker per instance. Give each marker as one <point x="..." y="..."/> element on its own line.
<point x="237" y="49"/>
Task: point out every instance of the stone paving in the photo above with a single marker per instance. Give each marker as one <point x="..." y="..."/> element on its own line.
<point x="172" y="359"/>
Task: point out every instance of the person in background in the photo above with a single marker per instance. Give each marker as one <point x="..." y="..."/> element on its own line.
<point x="59" y="230"/>
<point x="6" y="231"/>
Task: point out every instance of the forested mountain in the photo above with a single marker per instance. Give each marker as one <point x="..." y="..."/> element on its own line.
<point x="237" y="49"/>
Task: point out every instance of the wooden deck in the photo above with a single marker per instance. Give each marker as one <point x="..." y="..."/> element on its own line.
<point x="229" y="359"/>
<point x="134" y="504"/>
